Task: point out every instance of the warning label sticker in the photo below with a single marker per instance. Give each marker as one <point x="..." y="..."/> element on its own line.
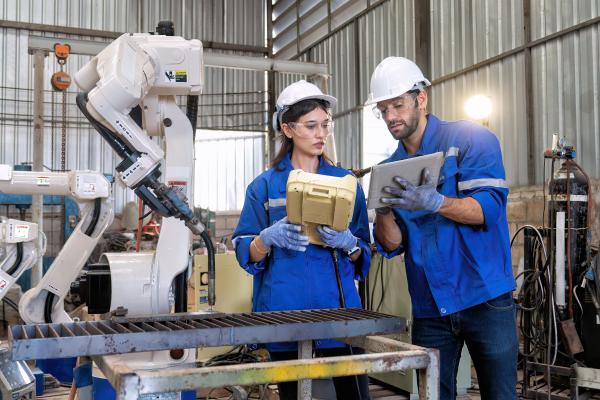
<point x="21" y="231"/>
<point x="43" y="181"/>
<point x="181" y="75"/>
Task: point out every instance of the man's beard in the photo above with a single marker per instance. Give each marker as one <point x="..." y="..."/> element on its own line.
<point x="408" y="127"/>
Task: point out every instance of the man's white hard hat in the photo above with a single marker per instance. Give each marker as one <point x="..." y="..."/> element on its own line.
<point x="393" y="77"/>
<point x="295" y="93"/>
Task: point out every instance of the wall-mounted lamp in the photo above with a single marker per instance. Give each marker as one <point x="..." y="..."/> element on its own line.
<point x="479" y="108"/>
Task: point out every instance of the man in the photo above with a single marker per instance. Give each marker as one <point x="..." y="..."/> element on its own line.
<point x="454" y="235"/>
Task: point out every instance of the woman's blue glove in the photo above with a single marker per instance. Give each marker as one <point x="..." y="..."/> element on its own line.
<point x="344" y="240"/>
<point x="284" y="235"/>
<point x="414" y="198"/>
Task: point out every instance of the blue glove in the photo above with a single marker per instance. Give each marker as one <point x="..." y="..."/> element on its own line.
<point x="284" y="235"/>
<point x="414" y="198"/>
<point x="344" y="240"/>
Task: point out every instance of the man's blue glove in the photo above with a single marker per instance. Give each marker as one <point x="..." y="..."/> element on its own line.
<point x="284" y="235"/>
<point x="414" y="198"/>
<point x="344" y="240"/>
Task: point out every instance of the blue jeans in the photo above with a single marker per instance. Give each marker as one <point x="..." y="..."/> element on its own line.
<point x="489" y="330"/>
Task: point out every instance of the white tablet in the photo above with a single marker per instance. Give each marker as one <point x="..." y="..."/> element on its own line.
<point x="410" y="169"/>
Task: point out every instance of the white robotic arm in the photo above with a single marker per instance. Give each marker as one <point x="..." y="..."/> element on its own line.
<point x="148" y="71"/>
<point x="91" y="191"/>
<point x="134" y="69"/>
<point x="19" y="239"/>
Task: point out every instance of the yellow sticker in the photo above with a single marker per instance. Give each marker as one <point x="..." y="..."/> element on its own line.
<point x="180" y="75"/>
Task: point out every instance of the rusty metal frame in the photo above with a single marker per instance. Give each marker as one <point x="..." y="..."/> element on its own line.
<point x="384" y="355"/>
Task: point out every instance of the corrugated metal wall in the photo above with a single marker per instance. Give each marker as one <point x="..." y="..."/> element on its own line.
<point x="108" y="15"/>
<point x="233" y="99"/>
<point x="465" y="33"/>
<point x="352" y="54"/>
<point x="565" y="74"/>
<point x="566" y="80"/>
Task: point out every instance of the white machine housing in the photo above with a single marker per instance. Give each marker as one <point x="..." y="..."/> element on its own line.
<point x="15" y="233"/>
<point x="148" y="70"/>
<point x="135" y="68"/>
<point x="90" y="190"/>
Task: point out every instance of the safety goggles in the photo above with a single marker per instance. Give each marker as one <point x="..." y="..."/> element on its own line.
<point x="403" y="103"/>
<point x="310" y="129"/>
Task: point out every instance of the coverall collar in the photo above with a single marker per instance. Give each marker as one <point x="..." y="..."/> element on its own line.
<point x="286" y="163"/>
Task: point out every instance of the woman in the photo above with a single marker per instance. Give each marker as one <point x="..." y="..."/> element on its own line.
<point x="289" y="273"/>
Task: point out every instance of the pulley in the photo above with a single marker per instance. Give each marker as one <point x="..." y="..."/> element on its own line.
<point x="60" y="81"/>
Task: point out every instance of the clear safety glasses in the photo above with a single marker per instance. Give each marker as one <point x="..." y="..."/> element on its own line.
<point x="310" y="129"/>
<point x="403" y="103"/>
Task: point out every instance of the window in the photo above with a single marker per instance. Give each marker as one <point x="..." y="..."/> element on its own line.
<point x="378" y="143"/>
<point x="226" y="162"/>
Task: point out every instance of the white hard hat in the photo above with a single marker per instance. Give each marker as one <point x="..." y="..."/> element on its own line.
<point x="393" y="77"/>
<point x="295" y="93"/>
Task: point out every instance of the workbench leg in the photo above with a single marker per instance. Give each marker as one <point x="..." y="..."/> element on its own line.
<point x="305" y="385"/>
<point x="429" y="378"/>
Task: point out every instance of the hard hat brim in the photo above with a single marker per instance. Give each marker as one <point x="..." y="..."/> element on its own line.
<point x="329" y="99"/>
<point x="392" y="94"/>
<point x="332" y="101"/>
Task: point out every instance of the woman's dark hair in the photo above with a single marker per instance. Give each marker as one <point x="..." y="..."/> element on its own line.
<point x="293" y="114"/>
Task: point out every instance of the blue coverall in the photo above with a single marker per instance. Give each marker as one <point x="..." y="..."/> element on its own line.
<point x="460" y="276"/>
<point x="292" y="280"/>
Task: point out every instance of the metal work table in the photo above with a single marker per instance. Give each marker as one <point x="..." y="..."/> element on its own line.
<point x="125" y="335"/>
<point x="387" y="355"/>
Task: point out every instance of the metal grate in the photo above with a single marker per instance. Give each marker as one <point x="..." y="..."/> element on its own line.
<point x="126" y="335"/>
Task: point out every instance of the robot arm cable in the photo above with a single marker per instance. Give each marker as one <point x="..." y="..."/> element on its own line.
<point x="18" y="260"/>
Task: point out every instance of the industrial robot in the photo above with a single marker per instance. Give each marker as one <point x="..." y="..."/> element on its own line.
<point x="128" y="95"/>
<point x="91" y="191"/>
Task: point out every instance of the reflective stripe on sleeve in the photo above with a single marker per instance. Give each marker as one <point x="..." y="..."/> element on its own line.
<point x="484" y="182"/>
<point x="276" y="202"/>
<point x="452" y="152"/>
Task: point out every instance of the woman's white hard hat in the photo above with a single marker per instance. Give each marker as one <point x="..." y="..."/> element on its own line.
<point x="294" y="93"/>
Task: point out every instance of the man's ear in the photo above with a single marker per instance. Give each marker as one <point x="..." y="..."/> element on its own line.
<point x="422" y="100"/>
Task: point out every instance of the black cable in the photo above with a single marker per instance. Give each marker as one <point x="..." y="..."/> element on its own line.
<point x="145" y="215"/>
<point x="115" y="143"/>
<point x="237" y="355"/>
<point x="10" y="303"/>
<point x="192" y="112"/>
<point x="48" y="308"/>
<point x="211" y="267"/>
<point x="181" y="292"/>
<point x="95" y="217"/>
<point x="338" y="278"/>
<point x="18" y="260"/>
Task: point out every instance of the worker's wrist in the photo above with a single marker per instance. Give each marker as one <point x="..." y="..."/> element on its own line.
<point x="438" y="203"/>
<point x="260" y="246"/>
<point x="383" y="210"/>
